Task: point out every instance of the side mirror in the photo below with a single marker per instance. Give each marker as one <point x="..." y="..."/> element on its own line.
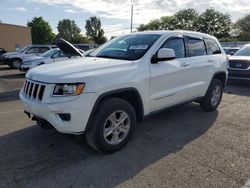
<point x="163" y="54"/>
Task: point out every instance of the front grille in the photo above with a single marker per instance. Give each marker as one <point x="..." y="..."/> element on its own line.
<point x="33" y="90"/>
<point x="239" y="64"/>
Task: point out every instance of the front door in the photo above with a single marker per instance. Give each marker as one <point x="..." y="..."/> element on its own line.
<point x="170" y="80"/>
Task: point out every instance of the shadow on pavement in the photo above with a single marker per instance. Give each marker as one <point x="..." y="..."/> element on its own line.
<point x="9" y="95"/>
<point x="13" y="76"/>
<point x="4" y="68"/>
<point x="34" y="157"/>
<point x="238" y="88"/>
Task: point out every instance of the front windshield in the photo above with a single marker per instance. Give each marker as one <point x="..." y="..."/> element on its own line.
<point x="130" y="47"/>
<point x="245" y="51"/>
<point x="49" y="53"/>
<point x="23" y="49"/>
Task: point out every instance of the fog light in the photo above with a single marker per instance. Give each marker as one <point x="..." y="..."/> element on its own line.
<point x="64" y="116"/>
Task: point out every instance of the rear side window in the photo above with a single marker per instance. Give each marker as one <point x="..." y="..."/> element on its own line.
<point x="196" y="47"/>
<point x="177" y="44"/>
<point x="212" y="47"/>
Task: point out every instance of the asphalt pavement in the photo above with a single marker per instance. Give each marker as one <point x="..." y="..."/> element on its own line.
<point x="180" y="147"/>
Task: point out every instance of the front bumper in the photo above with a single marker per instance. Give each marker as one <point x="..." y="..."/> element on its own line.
<point x="5" y="60"/>
<point x="79" y="108"/>
<point x="238" y="74"/>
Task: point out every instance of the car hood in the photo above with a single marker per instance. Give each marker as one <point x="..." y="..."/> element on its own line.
<point x="68" y="49"/>
<point x="11" y="53"/>
<point x="75" y="70"/>
<point x="247" y="58"/>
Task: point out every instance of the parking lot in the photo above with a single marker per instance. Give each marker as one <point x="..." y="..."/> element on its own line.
<point x="181" y="147"/>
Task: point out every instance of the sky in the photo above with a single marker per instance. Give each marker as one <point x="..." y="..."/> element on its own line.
<point x="114" y="14"/>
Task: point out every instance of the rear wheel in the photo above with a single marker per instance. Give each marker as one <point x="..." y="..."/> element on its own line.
<point x="213" y="96"/>
<point x="112" y="125"/>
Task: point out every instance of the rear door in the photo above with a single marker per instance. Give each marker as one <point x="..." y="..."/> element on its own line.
<point x="170" y="79"/>
<point x="200" y="65"/>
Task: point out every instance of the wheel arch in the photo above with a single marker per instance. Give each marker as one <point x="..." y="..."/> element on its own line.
<point x="131" y="95"/>
<point x="11" y="59"/>
<point x="222" y="76"/>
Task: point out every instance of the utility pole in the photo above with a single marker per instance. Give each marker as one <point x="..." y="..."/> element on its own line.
<point x="132" y="12"/>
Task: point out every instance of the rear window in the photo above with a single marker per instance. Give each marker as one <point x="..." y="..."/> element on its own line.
<point x="212" y="47"/>
<point x="196" y="47"/>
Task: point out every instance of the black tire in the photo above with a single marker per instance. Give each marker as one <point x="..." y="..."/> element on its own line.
<point x="208" y="103"/>
<point x="94" y="134"/>
<point x="14" y="63"/>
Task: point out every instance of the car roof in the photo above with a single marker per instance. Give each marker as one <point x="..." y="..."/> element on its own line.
<point x="183" y="32"/>
<point x="41" y="45"/>
<point x="231" y="47"/>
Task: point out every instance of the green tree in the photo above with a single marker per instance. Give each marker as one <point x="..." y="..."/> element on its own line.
<point x="41" y="31"/>
<point x="94" y="30"/>
<point x="68" y="30"/>
<point x="185" y="19"/>
<point x="152" y="25"/>
<point x="214" y="23"/>
<point x="167" y="23"/>
<point x="243" y="28"/>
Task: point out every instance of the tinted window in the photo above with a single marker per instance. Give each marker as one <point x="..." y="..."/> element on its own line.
<point x="33" y="50"/>
<point x="43" y="49"/>
<point x="196" y="47"/>
<point x="212" y="47"/>
<point x="177" y="45"/>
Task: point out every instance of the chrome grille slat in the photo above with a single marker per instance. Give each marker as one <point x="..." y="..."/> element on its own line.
<point x="38" y="91"/>
<point x="34" y="90"/>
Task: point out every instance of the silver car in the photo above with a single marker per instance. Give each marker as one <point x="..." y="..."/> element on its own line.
<point x="13" y="59"/>
<point x="50" y="56"/>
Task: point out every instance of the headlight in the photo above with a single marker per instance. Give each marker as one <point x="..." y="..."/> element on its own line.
<point x="68" y="89"/>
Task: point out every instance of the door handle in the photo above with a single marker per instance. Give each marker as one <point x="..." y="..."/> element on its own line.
<point x="210" y="61"/>
<point x="185" y="64"/>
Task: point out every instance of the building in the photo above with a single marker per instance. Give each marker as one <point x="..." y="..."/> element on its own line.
<point x="14" y="37"/>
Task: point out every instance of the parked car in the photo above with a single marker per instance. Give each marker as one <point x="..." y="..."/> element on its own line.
<point x="231" y="50"/>
<point x="83" y="47"/>
<point x="51" y="56"/>
<point x="13" y="59"/>
<point x="2" y="51"/>
<point x="122" y="81"/>
<point x="239" y="64"/>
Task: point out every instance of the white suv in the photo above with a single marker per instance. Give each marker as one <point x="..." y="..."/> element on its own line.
<point x="129" y="77"/>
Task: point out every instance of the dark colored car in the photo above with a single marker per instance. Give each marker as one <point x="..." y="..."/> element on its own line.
<point x="2" y="51"/>
<point x="239" y="64"/>
<point x="83" y="47"/>
<point x="231" y="50"/>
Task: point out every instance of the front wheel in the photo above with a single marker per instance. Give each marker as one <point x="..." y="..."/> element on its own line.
<point x="112" y="125"/>
<point x="14" y="63"/>
<point x="213" y="96"/>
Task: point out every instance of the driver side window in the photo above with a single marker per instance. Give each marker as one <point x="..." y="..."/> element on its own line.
<point x="177" y="44"/>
